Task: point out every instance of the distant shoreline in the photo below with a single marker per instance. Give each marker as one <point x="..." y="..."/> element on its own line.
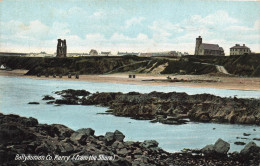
<point x="202" y="81"/>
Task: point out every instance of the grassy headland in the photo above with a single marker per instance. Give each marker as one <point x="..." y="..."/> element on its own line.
<point x="244" y="65"/>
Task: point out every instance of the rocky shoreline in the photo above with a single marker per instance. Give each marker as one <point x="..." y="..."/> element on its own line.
<point x="167" y="108"/>
<point x="24" y="138"/>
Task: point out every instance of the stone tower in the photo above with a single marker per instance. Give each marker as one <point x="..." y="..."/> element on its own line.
<point x="61" y="48"/>
<point x="198" y="43"/>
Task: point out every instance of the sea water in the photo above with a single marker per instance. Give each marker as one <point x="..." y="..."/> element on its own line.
<point x="16" y="92"/>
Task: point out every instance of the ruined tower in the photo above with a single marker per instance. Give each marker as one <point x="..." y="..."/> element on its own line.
<point x="61" y="48"/>
<point x="198" y="43"/>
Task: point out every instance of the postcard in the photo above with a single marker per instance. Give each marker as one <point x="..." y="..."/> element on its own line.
<point x="127" y="82"/>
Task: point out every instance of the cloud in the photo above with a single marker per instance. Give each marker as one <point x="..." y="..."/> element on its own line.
<point x="134" y="21"/>
<point x="218" y="20"/>
<point x="98" y="14"/>
<point x="33" y="30"/>
<point x="95" y="36"/>
<point x="216" y="28"/>
<point x="33" y="35"/>
<point x="119" y="37"/>
<point x="163" y="30"/>
<point x="129" y="34"/>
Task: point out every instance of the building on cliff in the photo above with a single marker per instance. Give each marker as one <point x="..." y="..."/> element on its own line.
<point x="207" y="49"/>
<point x="128" y="53"/>
<point x="61" y="48"/>
<point x="93" y="52"/>
<point x="239" y="50"/>
<point x="108" y="53"/>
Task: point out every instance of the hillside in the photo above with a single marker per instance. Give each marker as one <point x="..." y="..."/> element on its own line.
<point x="244" y="65"/>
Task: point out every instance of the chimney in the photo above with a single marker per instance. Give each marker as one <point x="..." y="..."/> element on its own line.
<point x="237" y="45"/>
<point x="244" y="45"/>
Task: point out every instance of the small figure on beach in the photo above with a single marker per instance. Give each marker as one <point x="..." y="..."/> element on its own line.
<point x="133" y="75"/>
<point x="130" y="76"/>
<point x="77" y="76"/>
<point x="54" y="75"/>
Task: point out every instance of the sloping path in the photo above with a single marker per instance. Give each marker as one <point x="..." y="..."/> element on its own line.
<point x="219" y="68"/>
<point x="126" y="66"/>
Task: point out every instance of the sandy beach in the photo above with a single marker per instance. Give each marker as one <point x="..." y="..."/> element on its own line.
<point x="206" y="81"/>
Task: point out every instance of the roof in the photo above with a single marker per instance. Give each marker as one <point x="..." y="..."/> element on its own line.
<point x="105" y="52"/>
<point x="239" y="47"/>
<point x="210" y="46"/>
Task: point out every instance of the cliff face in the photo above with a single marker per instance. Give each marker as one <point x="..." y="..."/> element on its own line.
<point x="80" y="65"/>
<point x="170" y="108"/>
<point x="244" y="65"/>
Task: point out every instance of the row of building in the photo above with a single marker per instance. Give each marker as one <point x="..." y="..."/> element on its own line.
<point x="200" y="49"/>
<point x="215" y="49"/>
<point x="94" y="52"/>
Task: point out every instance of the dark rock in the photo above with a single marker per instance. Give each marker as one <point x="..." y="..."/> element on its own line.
<point x="19" y="135"/>
<point x="33" y="103"/>
<point x="256" y="139"/>
<point x="66" y="101"/>
<point x="72" y="92"/>
<point x="66" y="148"/>
<point x="150" y="144"/>
<point x="109" y="137"/>
<point x="50" y="102"/>
<point x="137" y="151"/>
<point x="245" y="134"/>
<point x="219" y="148"/>
<point x="87" y="131"/>
<point x="208" y="149"/>
<point x="11" y="133"/>
<point x="30" y="122"/>
<point x="168" y="108"/>
<point x="117" y="145"/>
<point x="121" y="162"/>
<point x="239" y="143"/>
<point x="81" y="134"/>
<point x="154" y="121"/>
<point x="62" y="131"/>
<point x="119" y="136"/>
<point x="47" y="97"/>
<point x="123" y="151"/>
<point x="130" y="143"/>
<point x="251" y="147"/>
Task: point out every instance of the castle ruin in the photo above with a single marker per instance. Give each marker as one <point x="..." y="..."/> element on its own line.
<point x="61" y="48"/>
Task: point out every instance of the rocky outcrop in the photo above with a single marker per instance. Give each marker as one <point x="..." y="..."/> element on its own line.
<point x="250" y="148"/>
<point x="33" y="102"/>
<point x="169" y="108"/>
<point x="220" y="148"/>
<point x="23" y="141"/>
<point x="48" y="97"/>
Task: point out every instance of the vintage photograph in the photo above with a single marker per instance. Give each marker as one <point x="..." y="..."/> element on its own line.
<point x="129" y="82"/>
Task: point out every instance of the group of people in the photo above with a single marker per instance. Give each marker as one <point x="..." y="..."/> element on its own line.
<point x="60" y="75"/>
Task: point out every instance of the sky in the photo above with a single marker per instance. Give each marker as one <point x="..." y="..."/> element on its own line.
<point x="127" y="25"/>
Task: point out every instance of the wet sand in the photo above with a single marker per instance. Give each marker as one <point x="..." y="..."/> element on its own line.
<point x="206" y="81"/>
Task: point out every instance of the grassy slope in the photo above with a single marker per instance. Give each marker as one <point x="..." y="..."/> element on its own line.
<point x="245" y="65"/>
